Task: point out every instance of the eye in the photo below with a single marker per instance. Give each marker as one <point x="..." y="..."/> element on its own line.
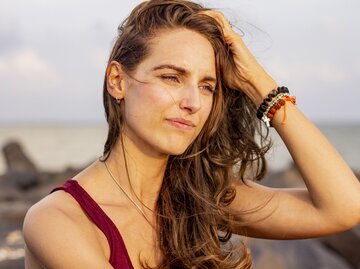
<point x="170" y="78"/>
<point x="208" y="89"/>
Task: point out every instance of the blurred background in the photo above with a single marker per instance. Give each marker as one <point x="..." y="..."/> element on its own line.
<point x="53" y="56"/>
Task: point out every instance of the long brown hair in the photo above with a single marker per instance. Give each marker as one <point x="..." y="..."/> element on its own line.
<point x="193" y="204"/>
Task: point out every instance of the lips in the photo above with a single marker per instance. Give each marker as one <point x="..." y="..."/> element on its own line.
<point x="181" y="124"/>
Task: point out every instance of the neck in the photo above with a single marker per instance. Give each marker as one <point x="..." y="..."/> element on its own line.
<point x="139" y="173"/>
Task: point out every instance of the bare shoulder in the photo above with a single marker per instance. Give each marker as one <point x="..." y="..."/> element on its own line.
<point x="58" y="234"/>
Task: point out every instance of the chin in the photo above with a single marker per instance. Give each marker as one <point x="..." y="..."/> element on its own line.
<point x="174" y="146"/>
<point x="175" y="150"/>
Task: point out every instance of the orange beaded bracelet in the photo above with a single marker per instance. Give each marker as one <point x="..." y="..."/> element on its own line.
<point x="276" y="99"/>
<point x="274" y="107"/>
<point x="276" y="104"/>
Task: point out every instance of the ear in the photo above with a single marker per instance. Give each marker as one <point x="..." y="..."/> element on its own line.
<point x="115" y="80"/>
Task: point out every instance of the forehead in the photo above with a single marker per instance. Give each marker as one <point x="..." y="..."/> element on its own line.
<point x="182" y="47"/>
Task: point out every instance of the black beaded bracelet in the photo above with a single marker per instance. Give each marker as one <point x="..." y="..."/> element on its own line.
<point x="265" y="103"/>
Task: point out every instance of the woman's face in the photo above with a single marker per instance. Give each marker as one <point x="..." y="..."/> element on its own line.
<point x="170" y="94"/>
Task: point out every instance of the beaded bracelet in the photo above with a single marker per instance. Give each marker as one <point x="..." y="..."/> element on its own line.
<point x="265" y="103"/>
<point x="273" y="102"/>
<point x="276" y="106"/>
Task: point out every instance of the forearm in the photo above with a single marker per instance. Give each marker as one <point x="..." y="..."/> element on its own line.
<point x="333" y="188"/>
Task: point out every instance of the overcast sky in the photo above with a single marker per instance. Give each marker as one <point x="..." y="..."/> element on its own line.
<point x="53" y="54"/>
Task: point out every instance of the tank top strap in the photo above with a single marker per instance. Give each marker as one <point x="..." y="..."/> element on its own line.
<point x="119" y="257"/>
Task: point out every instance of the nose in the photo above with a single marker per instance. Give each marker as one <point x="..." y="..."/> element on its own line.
<point x="191" y="99"/>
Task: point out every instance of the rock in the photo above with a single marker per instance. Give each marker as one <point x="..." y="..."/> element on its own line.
<point x="21" y="171"/>
<point x="299" y="254"/>
<point x="14" y="239"/>
<point x="11" y="247"/>
<point x="21" y="180"/>
<point x="289" y="178"/>
<point x="16" y="158"/>
<point x="14" y="211"/>
<point x="36" y="194"/>
<point x="10" y="194"/>
<point x="357" y="174"/>
<point x="12" y="263"/>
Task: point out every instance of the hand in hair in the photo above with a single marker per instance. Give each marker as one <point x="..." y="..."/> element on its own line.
<point x="247" y="74"/>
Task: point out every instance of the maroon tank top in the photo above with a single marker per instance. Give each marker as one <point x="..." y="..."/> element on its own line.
<point x="119" y="257"/>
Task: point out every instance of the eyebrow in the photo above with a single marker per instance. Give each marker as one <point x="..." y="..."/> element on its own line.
<point x="182" y="71"/>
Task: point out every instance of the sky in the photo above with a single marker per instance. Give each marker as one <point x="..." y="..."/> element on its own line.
<point x="53" y="54"/>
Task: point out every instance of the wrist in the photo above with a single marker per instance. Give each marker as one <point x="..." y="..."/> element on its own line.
<point x="263" y="89"/>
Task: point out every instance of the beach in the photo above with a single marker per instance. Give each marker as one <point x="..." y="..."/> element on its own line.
<point x="59" y="151"/>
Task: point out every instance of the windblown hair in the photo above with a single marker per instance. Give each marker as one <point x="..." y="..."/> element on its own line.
<point x="193" y="204"/>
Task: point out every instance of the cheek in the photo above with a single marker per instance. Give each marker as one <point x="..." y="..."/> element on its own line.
<point x="206" y="110"/>
<point x="147" y="101"/>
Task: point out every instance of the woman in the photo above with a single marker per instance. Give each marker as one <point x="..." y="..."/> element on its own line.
<point x="181" y="93"/>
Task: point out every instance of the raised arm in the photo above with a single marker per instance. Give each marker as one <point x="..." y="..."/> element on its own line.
<point x="331" y="202"/>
